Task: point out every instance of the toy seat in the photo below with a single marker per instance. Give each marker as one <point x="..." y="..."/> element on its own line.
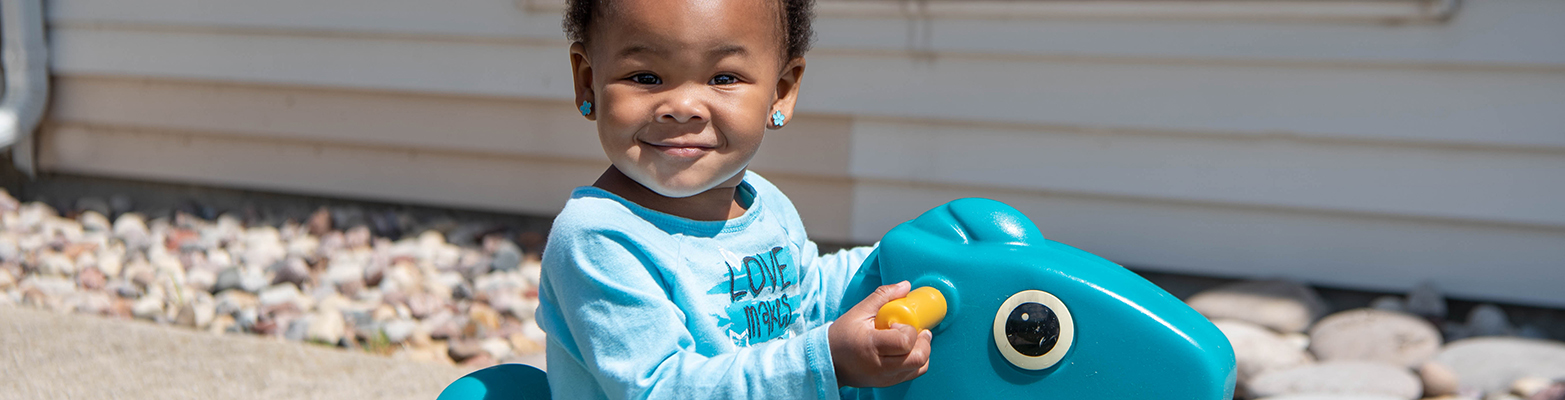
<point x="504" y="381"/>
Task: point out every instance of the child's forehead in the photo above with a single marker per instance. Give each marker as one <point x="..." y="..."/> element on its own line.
<point x="667" y="27"/>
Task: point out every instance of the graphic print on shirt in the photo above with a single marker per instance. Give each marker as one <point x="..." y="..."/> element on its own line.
<point x="763" y="296"/>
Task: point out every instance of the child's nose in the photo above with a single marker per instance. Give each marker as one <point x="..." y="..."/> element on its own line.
<point x="683" y="105"/>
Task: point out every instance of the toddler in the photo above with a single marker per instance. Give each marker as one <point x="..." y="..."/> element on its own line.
<point x="679" y="274"/>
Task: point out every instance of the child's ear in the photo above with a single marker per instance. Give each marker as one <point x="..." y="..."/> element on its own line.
<point x="788" y="89"/>
<point x="581" y="73"/>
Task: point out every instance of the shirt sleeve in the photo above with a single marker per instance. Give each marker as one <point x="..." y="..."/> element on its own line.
<point x="838" y="271"/>
<point x="607" y="308"/>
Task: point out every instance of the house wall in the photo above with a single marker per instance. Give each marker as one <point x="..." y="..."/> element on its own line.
<point x="1369" y="153"/>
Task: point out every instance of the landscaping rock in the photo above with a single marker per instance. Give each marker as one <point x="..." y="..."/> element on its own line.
<point x="1324" y="396"/>
<point x="1339" y="377"/>
<point x="326" y="326"/>
<point x="1258" y="350"/>
<point x="1389" y="303"/>
<point x="1375" y="335"/>
<point x="1438" y="379"/>
<point x="228" y="278"/>
<point x="1490" y="364"/>
<point x="398" y="331"/>
<point x="1282" y="306"/>
<point x="279" y="294"/>
<point x="1425" y="300"/>
<point x="1555" y="391"/>
<point x="1489" y="320"/>
<point x="1528" y="386"/>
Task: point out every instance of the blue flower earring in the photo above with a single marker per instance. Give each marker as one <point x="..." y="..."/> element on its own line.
<point x="586" y="108"/>
<point x="778" y="118"/>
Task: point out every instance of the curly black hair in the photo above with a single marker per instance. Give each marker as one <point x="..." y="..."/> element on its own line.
<point x="794" y="14"/>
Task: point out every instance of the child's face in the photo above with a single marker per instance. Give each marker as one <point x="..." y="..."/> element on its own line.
<point x="683" y="90"/>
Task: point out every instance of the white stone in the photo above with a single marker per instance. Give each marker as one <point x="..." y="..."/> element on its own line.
<point x="1491" y="364"/>
<point x="231" y="301"/>
<point x="67" y="228"/>
<point x="263" y="247"/>
<point x="326" y="326"/>
<point x="345" y="267"/>
<point x="166" y="264"/>
<point x="140" y="272"/>
<point x="532" y="271"/>
<point x="55" y="264"/>
<point x="219" y="258"/>
<point x="1258" y="350"/>
<point x="87" y="260"/>
<point x="90" y="302"/>
<point x="8" y="203"/>
<point x="10" y="250"/>
<point x="197" y="313"/>
<point x="228" y="227"/>
<point x="1529" y="386"/>
<point x="131" y="228"/>
<point x="252" y="281"/>
<point x="303" y="246"/>
<point x="445" y="282"/>
<point x="399" y="330"/>
<point x="1375" y="335"/>
<point x="92" y="221"/>
<point x="52" y="286"/>
<point x="531" y="330"/>
<point x="200" y="279"/>
<point x="148" y="307"/>
<point x="1280" y="305"/>
<point x="1438" y="379"/>
<point x="446" y="257"/>
<point x="32" y="216"/>
<point x="429" y="243"/>
<point x="496" y="347"/>
<point x="1340" y="377"/>
<point x="279" y="294"/>
<point x="1328" y="396"/>
<point x="111" y="259"/>
<point x="402" y="277"/>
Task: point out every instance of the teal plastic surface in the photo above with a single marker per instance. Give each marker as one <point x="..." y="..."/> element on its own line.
<point x="1132" y="340"/>
<point x="1129" y="339"/>
<point x="504" y="381"/>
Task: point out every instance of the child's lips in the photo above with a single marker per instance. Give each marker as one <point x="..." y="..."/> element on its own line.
<point x="681" y="150"/>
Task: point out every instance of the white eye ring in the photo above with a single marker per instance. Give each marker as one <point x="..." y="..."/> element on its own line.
<point x="1062" y="345"/>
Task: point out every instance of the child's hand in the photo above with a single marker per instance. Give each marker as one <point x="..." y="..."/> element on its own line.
<point x="869" y="357"/>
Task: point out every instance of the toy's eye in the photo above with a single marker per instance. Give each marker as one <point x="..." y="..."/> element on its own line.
<point x="1033" y="329"/>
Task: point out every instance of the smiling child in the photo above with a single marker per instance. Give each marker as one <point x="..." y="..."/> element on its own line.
<point x="678" y="273"/>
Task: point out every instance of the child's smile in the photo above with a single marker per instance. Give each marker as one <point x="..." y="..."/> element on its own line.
<point x="684" y="90"/>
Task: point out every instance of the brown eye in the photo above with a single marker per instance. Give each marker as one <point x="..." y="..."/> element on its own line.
<point x="724" y="79"/>
<point x="646" y="79"/>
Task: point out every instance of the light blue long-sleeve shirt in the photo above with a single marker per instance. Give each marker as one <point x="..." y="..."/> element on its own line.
<point x="642" y="304"/>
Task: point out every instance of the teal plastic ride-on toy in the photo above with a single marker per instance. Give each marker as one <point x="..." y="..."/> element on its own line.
<point x="1014" y="315"/>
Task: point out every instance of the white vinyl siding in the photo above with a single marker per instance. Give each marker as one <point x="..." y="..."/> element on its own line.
<point x="1362" y="152"/>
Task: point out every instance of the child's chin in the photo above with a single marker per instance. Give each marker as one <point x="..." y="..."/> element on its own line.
<point x="678" y="191"/>
<point x="680" y="185"/>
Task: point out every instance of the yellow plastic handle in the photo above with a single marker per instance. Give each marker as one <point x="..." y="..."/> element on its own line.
<point x="923" y="308"/>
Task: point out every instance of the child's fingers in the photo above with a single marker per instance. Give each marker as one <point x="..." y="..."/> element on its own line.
<point x="917" y="358"/>
<point x="897" y="341"/>
<point x="920" y="372"/>
<point x="882" y="295"/>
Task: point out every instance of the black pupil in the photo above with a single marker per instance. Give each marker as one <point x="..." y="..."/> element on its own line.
<point x="1032" y="329"/>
